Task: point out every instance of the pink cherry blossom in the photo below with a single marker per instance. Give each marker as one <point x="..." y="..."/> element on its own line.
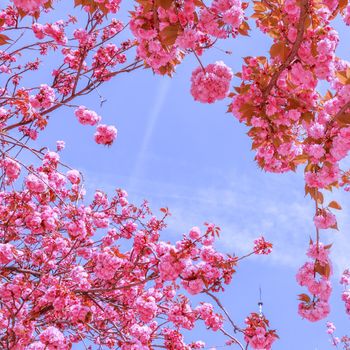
<point x="44" y="99"/>
<point x="52" y="336"/>
<point x="262" y="247"/>
<point x="12" y="169"/>
<point x="6" y="253"/>
<point x="29" y="5"/>
<point x="87" y="117"/>
<point x="211" y="83"/>
<point x="345" y="281"/>
<point x="325" y="219"/>
<point x="73" y="176"/>
<point x="60" y="145"/>
<point x="105" y="134"/>
<point x="37" y="183"/>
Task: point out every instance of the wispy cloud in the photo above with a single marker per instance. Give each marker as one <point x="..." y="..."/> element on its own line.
<point x="160" y="98"/>
<point x="245" y="211"/>
<point x="246" y="207"/>
<point x="286" y="220"/>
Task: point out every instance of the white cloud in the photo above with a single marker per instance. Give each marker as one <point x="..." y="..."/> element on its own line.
<point x="246" y="207"/>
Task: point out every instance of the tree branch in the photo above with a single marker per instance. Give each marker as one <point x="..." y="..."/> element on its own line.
<point x="300" y="35"/>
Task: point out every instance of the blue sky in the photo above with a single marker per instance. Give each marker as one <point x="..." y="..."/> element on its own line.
<point x="196" y="159"/>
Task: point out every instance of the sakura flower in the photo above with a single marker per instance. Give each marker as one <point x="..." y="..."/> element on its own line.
<point x="105" y="134"/>
<point x="211" y="83"/>
<point x="37" y="183"/>
<point x="6" y="253"/>
<point x="12" y="169"/>
<point x="325" y="219"/>
<point x="73" y="176"/>
<point x="29" y="5"/>
<point x="262" y="247"/>
<point x="52" y="336"/>
<point x="87" y="117"/>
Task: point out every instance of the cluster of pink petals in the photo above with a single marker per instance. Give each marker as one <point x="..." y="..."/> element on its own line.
<point x="55" y="31"/>
<point x="231" y="13"/>
<point x="73" y="176"/>
<point x="329" y="174"/>
<point x="60" y="145"/>
<point x="12" y="169"/>
<point x="335" y="340"/>
<point x="6" y="253"/>
<point x="347" y="15"/>
<point x="257" y="334"/>
<point x="314" y="277"/>
<point x="70" y="250"/>
<point x="330" y="327"/>
<point x="341" y="144"/>
<point x="325" y="219"/>
<point x="52" y="336"/>
<point x="106" y="57"/>
<point x="281" y="134"/>
<point x="210" y="318"/>
<point x="262" y="247"/>
<point x="345" y="281"/>
<point x="60" y="236"/>
<point x="86" y="116"/>
<point x="111" y="5"/>
<point x="150" y="48"/>
<point x="44" y="99"/>
<point x="195" y="26"/>
<point x="29" y="5"/>
<point x="37" y="183"/>
<point x="261" y="339"/>
<point x="105" y="134"/>
<point x="211" y="83"/>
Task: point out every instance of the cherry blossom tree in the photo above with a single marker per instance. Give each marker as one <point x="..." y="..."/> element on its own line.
<point x="99" y="273"/>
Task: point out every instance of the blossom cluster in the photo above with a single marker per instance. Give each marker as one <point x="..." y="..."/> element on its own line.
<point x="98" y="271"/>
<point x="211" y="83"/>
<point x="291" y="122"/>
<point x="330" y="330"/>
<point x="168" y="30"/>
<point x="84" y="57"/>
<point x="345" y="281"/>
<point x="261" y="246"/>
<point x="105" y="134"/>
<point x="315" y="276"/>
<point x="344" y="341"/>
<point x="29" y="5"/>
<point x="257" y="333"/>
